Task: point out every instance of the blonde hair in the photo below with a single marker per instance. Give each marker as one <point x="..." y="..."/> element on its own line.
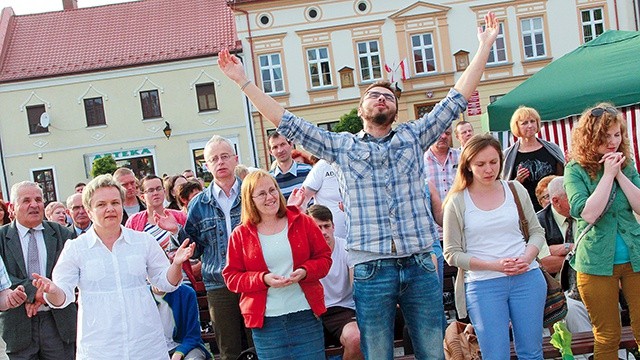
<point x="523" y="113"/>
<point x="591" y="133"/>
<point x="49" y="209"/>
<point x="250" y="213"/>
<point x="543" y="186"/>
<point x="464" y="176"/>
<point x="101" y="181"/>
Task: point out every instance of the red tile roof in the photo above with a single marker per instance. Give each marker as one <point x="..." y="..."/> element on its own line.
<point x="114" y="36"/>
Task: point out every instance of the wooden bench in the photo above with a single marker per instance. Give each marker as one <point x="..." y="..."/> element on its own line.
<point x="582" y="343"/>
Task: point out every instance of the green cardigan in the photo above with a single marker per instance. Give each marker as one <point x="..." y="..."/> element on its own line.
<point x="455" y="244"/>
<point x="595" y="251"/>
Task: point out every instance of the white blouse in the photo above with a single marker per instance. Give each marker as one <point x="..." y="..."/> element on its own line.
<point x="117" y="316"/>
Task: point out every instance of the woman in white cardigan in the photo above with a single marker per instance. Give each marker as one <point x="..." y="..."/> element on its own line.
<point x="499" y="281"/>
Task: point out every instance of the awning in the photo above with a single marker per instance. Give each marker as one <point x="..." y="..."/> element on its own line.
<point x="604" y="69"/>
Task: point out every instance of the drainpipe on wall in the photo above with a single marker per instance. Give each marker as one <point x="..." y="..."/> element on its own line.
<point x="615" y="12"/>
<point x="253" y="66"/>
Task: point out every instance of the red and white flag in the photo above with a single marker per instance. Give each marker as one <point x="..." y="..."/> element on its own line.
<point x="394" y="68"/>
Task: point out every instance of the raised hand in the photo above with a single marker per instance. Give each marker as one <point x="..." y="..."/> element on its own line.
<point x="231" y="66"/>
<point x="491" y="30"/>
<point x="166" y="221"/>
<point x="184" y="252"/>
<point x="296" y="198"/>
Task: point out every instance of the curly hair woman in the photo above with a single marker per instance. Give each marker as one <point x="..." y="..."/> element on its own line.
<point x="609" y="254"/>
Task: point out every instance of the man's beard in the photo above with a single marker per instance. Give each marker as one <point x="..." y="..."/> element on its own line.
<point x="382" y="119"/>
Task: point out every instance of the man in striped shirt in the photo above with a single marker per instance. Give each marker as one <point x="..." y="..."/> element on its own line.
<point x="288" y="173"/>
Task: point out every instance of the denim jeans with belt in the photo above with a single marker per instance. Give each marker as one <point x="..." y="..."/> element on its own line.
<point x="294" y="336"/>
<point x="411" y="282"/>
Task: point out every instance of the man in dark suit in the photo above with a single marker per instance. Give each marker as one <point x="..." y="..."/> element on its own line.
<point x="80" y="221"/>
<point x="30" y="245"/>
<point x="559" y="232"/>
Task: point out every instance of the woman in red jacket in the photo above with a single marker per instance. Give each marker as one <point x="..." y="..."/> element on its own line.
<point x="275" y="260"/>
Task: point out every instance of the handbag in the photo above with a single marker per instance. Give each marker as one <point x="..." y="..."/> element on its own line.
<point x="460" y="342"/>
<point x="555" y="306"/>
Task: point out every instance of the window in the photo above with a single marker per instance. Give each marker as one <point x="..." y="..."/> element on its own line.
<point x="33" y="115"/>
<point x="533" y="38"/>
<point x="423" y="55"/>
<point x="319" y="67"/>
<point x="206" y="97"/>
<point x="494" y="98"/>
<point x="94" y="111"/>
<point x="329" y="126"/>
<point x="141" y="166"/>
<point x="423" y="109"/>
<point x="369" y="58"/>
<point x="45" y="179"/>
<point x="592" y="24"/>
<point x="271" y="73"/>
<point x="150" y="104"/>
<point x="498" y="52"/>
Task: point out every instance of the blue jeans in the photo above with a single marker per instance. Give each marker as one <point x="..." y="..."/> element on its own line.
<point x="412" y="282"/>
<point x="493" y="303"/>
<point x="298" y="335"/>
<point x="437" y="250"/>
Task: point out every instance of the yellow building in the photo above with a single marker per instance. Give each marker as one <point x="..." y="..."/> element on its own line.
<point x="81" y="83"/>
<point x="316" y="58"/>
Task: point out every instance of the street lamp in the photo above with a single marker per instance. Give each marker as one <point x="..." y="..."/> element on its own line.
<point x="167" y="130"/>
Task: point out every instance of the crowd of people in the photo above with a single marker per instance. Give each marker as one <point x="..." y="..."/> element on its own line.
<point x="303" y="256"/>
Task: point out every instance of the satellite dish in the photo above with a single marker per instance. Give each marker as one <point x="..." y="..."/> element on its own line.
<point x="45" y="120"/>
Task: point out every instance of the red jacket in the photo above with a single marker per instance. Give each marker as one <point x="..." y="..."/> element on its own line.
<point x="246" y="266"/>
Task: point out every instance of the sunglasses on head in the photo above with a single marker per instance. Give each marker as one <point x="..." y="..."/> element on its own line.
<point x="598" y="111"/>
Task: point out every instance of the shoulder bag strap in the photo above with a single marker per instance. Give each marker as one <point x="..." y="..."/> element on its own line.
<point x="584" y="232"/>
<point x="524" y="224"/>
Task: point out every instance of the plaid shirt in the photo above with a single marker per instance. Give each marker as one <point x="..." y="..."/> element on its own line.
<point x="382" y="179"/>
<point x="5" y="282"/>
<point x="441" y="174"/>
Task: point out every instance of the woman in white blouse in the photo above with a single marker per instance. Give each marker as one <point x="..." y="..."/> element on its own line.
<point x="499" y="281"/>
<point x="110" y="265"/>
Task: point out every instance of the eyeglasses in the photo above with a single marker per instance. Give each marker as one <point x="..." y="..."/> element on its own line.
<point x="376" y="95"/>
<point x="155" y="189"/>
<point x="223" y="157"/>
<point x="262" y="195"/>
<point x="598" y="111"/>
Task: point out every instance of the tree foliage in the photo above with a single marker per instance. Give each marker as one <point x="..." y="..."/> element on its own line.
<point x="104" y="165"/>
<point x="349" y="122"/>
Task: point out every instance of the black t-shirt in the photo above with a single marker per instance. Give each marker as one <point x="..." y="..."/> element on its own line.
<point x="540" y="164"/>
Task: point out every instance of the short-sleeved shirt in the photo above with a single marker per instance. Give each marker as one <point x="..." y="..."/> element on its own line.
<point x="323" y="180"/>
<point x="338" y="290"/>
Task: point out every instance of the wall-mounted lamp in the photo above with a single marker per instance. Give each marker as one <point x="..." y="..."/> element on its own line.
<point x="167" y="130"/>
